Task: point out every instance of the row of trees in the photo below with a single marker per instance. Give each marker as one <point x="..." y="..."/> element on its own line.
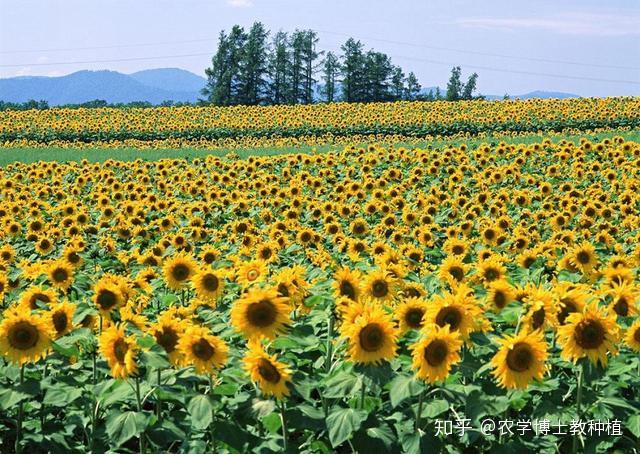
<point x="250" y="67"/>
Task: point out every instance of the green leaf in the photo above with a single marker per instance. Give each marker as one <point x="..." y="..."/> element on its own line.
<point x="382" y="433"/>
<point x="61" y="396"/>
<point x="121" y="427"/>
<point x="633" y="424"/>
<point x="342" y="384"/>
<point x="435" y="408"/>
<point x="201" y="412"/>
<point x="402" y="387"/>
<point x="342" y="422"/>
<point x="156" y="358"/>
<point x="272" y="422"/>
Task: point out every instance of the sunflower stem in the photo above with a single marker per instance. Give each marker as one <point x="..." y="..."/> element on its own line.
<point x="139" y="402"/>
<point x="362" y="393"/>
<point x="158" y="399"/>
<point x="419" y="414"/>
<point x="284" y="424"/>
<point x="580" y="378"/>
<point x="327" y="360"/>
<point x="20" y="415"/>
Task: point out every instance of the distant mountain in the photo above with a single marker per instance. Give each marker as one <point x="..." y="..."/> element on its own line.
<point x="154" y="86"/>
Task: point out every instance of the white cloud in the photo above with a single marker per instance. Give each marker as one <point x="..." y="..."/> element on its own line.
<point x="240" y="3"/>
<point x="567" y="24"/>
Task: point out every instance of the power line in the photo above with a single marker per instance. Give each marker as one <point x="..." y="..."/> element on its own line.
<point x="114" y="60"/>
<point x="486" y="54"/>
<point x="114" y="46"/>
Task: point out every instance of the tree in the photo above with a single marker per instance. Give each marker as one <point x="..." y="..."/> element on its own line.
<point x="331" y="69"/>
<point x="397" y="83"/>
<point x="352" y="71"/>
<point x="454" y="86"/>
<point x="279" y="71"/>
<point x="377" y="75"/>
<point x="222" y="76"/>
<point x="253" y="67"/>
<point x="470" y="87"/>
<point x="309" y="56"/>
<point x="413" y="87"/>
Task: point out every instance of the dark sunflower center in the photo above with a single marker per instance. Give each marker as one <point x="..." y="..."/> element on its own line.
<point x="346" y="289"/>
<point x="23" y="336"/>
<point x="60" y="321"/>
<point x="491" y="274"/>
<point x="203" y="350"/>
<point x="500" y="299"/>
<point x="528" y="262"/>
<point x="520" y="357"/>
<point x="180" y="272"/>
<point x="449" y="316"/>
<point x="569" y="307"/>
<point x="371" y="337"/>
<point x="266" y="253"/>
<point x="73" y="257"/>
<point x="210" y="282"/>
<point x="414" y="317"/>
<point x="262" y="314"/>
<point x="283" y="290"/>
<point x="621" y="307"/>
<point x="457" y="250"/>
<point x="583" y="257"/>
<point x="457" y="273"/>
<point x="636" y="335"/>
<point x="38" y="297"/>
<point x="379" y="289"/>
<point x="589" y="334"/>
<point x="436" y="352"/>
<point x="106" y="299"/>
<point x="60" y="275"/>
<point x="268" y="371"/>
<point x="167" y="339"/>
<point x="120" y="349"/>
<point x="305" y="237"/>
<point x="209" y="258"/>
<point x="537" y="318"/>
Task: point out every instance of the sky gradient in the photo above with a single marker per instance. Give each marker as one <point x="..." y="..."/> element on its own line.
<point x="585" y="47"/>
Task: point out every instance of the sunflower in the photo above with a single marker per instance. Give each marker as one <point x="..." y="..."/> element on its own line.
<point x="409" y="314"/>
<point x="490" y="270"/>
<point x="520" y="359"/>
<point x="252" y="272"/>
<point x="542" y="308"/>
<point x="572" y="298"/>
<point x="453" y="271"/>
<point x="459" y="310"/>
<point x="60" y="274"/>
<point x="61" y="317"/>
<point x="34" y="296"/>
<point x="107" y="295"/>
<point x="347" y="283"/>
<point x="499" y="294"/>
<point x="632" y="336"/>
<point x="271" y="375"/>
<point x="591" y="333"/>
<point x="24" y="337"/>
<point x="260" y="312"/>
<point x="623" y="299"/>
<point x="208" y="284"/>
<point x="380" y="286"/>
<point x="120" y="351"/>
<point x="372" y="336"/>
<point x="435" y="353"/>
<point x="168" y="330"/>
<point x="201" y="349"/>
<point x="178" y="269"/>
<point x="584" y="257"/>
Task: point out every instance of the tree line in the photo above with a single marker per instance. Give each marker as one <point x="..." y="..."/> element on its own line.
<point x="255" y="67"/>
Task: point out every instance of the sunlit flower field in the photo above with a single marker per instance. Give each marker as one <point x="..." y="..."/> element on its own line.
<point x="348" y="301"/>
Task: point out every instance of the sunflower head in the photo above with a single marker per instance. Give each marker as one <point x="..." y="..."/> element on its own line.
<point x="520" y="359"/>
<point x="260" y="312"/>
<point x="271" y="375"/>
<point x="410" y="313"/>
<point x="24" y="337"/>
<point x="120" y="351"/>
<point x="372" y="336"/>
<point x="202" y="350"/>
<point x="178" y="270"/>
<point x="435" y="353"/>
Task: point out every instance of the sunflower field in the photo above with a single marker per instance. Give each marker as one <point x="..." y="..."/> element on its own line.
<point x="366" y="299"/>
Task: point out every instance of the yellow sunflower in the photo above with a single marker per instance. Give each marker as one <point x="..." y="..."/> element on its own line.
<point x="499" y="294"/>
<point x="520" y="359"/>
<point x="60" y="274"/>
<point x="347" y="283"/>
<point x="178" y="269"/>
<point x="120" y="351"/>
<point x="61" y="317"/>
<point x="453" y="271"/>
<point x="271" y="375"/>
<point x="380" y="286"/>
<point x="372" y="336"/>
<point x="260" y="312"/>
<point x="201" y="349"/>
<point x="208" y="284"/>
<point x="459" y="310"/>
<point x="30" y="298"/>
<point x="584" y="257"/>
<point x="107" y="295"/>
<point x="409" y="314"/>
<point x="24" y="337"/>
<point x="252" y="272"/>
<point x="591" y="333"/>
<point x="435" y="353"/>
<point x="632" y="337"/>
<point x="168" y="330"/>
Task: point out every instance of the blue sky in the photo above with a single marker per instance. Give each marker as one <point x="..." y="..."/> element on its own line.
<point x="596" y="42"/>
